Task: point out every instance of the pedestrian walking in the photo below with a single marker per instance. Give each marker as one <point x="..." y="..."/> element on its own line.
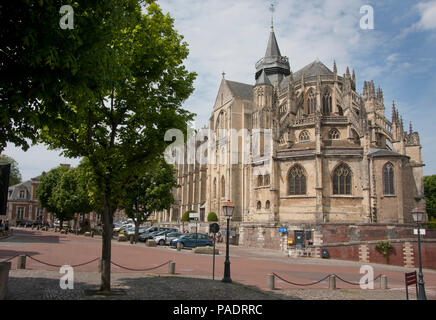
<point x="7" y="226"/>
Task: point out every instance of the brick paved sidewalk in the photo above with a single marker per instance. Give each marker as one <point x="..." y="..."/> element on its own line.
<point x="44" y="285"/>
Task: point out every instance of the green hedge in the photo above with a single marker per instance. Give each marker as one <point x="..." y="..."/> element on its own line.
<point x="212" y="217"/>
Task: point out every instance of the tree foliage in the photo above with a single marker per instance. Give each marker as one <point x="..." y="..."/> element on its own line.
<point x="63" y="191"/>
<point x="153" y="192"/>
<point x="15" y="175"/>
<point x="70" y="194"/>
<point x="46" y="192"/>
<point x="185" y="217"/>
<point x="40" y="62"/>
<point x="430" y="195"/>
<point x="134" y="89"/>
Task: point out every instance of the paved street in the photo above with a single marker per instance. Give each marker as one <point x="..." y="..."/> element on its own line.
<point x="248" y="266"/>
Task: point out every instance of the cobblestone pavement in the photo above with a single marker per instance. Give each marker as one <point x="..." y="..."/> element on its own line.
<point x="249" y="267"/>
<point x="44" y="285"/>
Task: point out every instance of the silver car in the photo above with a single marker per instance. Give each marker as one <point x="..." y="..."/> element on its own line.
<point x="172" y="235"/>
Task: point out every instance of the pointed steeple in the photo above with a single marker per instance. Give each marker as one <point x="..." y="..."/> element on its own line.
<point x="393" y="112"/>
<point x="272" y="50"/>
<point x="275" y="66"/>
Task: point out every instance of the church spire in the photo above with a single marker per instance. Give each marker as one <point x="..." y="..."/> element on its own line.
<point x="272" y="50"/>
<point x="275" y="66"/>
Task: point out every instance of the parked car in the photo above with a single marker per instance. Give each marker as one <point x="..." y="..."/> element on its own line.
<point x="123" y="227"/>
<point x="131" y="231"/>
<point x="192" y="240"/>
<point x="166" y="238"/>
<point x="25" y="224"/>
<point x="152" y="232"/>
<point x="160" y="238"/>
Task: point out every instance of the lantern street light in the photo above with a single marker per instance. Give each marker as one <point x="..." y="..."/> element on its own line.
<point x="419" y="217"/>
<point x="228" y="212"/>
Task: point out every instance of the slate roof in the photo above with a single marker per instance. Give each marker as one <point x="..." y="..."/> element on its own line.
<point x="27" y="185"/>
<point x="240" y="90"/>
<point x="384" y="153"/>
<point x="263" y="79"/>
<point x="272" y="50"/>
<point x="313" y="69"/>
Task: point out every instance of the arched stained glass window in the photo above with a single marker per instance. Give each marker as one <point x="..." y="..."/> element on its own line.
<point x="297" y="180"/>
<point x="342" y="180"/>
<point x="311" y="102"/>
<point x="388" y="179"/>
<point x="327" y="102"/>
<point x="223" y="187"/>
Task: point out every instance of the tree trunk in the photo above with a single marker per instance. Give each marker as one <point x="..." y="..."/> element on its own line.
<point x="136" y="229"/>
<point x="108" y="219"/>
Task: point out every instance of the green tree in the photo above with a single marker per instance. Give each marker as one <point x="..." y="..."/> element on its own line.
<point x="430" y="195"/>
<point x="212" y="217"/>
<point x="70" y="194"/>
<point x="119" y="119"/>
<point x="46" y="193"/>
<point x="15" y="175"/>
<point x="40" y="62"/>
<point x="152" y="193"/>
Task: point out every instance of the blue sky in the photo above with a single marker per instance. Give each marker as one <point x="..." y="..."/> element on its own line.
<point x="230" y="36"/>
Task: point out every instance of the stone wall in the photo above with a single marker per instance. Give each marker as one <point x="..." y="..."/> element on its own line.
<point x="405" y="253"/>
<point x="348" y="242"/>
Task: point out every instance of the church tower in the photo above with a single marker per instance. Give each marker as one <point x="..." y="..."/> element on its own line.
<point x="274" y="65"/>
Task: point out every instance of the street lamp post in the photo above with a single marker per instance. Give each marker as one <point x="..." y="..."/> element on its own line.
<point x="228" y="212"/>
<point x="418" y="217"/>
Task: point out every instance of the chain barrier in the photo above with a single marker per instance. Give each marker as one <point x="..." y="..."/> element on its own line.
<point x="316" y="282"/>
<point x="58" y="266"/>
<point x="353" y="283"/>
<point x="10" y="258"/>
<point x="148" y="269"/>
<point x="300" y="284"/>
<point x="88" y="262"/>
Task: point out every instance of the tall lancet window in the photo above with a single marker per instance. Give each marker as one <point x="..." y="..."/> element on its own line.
<point x="388" y="179"/>
<point x="327" y="102"/>
<point x="342" y="180"/>
<point x="297" y="181"/>
<point x="311" y="102"/>
<point x="223" y="187"/>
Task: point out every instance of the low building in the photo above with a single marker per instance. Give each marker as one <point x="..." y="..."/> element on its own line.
<point x="23" y="204"/>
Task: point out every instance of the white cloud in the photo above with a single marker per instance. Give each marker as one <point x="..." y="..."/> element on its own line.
<point x="427" y="11"/>
<point x="230" y="36"/>
<point x="36" y="160"/>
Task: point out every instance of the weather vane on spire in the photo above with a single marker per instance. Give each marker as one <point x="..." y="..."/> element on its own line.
<point x="272" y="9"/>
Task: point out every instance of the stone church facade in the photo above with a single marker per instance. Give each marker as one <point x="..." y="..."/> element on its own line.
<point x="316" y="151"/>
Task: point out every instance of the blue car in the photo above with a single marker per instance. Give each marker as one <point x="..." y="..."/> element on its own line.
<point x="192" y="240"/>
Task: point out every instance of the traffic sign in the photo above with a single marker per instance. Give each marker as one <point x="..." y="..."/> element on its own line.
<point x="283" y="230"/>
<point x="194" y="215"/>
<point x="421" y="231"/>
<point x="214" y="228"/>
